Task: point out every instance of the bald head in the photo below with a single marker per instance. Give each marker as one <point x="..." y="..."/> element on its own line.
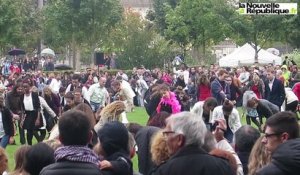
<point x="102" y="81"/>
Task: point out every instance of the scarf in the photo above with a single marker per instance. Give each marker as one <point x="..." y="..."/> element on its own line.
<point x="172" y="101"/>
<point x="76" y="154"/>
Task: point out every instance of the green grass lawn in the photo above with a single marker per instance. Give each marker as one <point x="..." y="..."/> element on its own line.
<point x="139" y="115"/>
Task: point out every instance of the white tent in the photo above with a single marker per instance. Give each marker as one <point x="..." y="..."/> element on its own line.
<point x="245" y="56"/>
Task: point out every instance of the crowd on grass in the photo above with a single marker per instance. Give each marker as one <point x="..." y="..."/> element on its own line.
<point x="80" y="121"/>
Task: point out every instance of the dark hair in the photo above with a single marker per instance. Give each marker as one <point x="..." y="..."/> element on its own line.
<point x="211" y="102"/>
<point x="203" y="80"/>
<point x="74" y="128"/>
<point x="246" y="68"/>
<point x="245" y="138"/>
<point x="62" y="89"/>
<point x="28" y="81"/>
<point x="222" y="72"/>
<point x="134" y="127"/>
<point x="227" y="106"/>
<point x="284" y="122"/>
<point x="115" y="83"/>
<point x="76" y="77"/>
<point x="251" y="102"/>
<point x="38" y="157"/>
<point x="69" y="95"/>
<point x="113" y="137"/>
<point x="159" y="119"/>
<point x="15" y="87"/>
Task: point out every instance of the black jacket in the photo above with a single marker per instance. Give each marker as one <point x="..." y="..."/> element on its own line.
<point x="35" y="101"/>
<point x="71" y="168"/>
<point x="191" y="160"/>
<point x="7" y="122"/>
<point x="277" y="94"/>
<point x="143" y="139"/>
<point x="285" y="160"/>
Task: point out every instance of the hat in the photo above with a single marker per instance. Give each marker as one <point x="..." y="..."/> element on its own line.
<point x="284" y="67"/>
<point x="114" y="137"/>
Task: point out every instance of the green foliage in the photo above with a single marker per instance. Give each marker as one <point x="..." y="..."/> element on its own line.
<point x="19" y="24"/>
<point x="198" y="23"/>
<point x="83" y="22"/>
<point x="135" y="43"/>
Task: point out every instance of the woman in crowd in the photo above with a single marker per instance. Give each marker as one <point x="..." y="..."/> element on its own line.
<point x="234" y="89"/>
<point x="31" y="106"/>
<point x="259" y="157"/>
<point x="257" y="86"/>
<point x="168" y="102"/>
<point x="20" y="160"/>
<point x="231" y="116"/>
<point x="52" y="100"/>
<point x="204" y="90"/>
<point x="263" y="107"/>
<point x="14" y="104"/>
<point x="35" y="161"/>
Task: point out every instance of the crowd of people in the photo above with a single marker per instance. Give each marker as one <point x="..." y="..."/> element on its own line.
<point x="80" y="121"/>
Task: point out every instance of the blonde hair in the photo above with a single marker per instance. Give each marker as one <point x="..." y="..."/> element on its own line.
<point x="159" y="149"/>
<point x="53" y="143"/>
<point x="258" y="158"/>
<point x="109" y="113"/>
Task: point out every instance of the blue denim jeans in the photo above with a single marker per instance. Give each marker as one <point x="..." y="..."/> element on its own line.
<point x="95" y="106"/>
<point x="4" y="141"/>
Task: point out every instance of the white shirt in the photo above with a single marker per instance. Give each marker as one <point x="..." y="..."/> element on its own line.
<point x="54" y="86"/>
<point x="198" y="109"/>
<point x="128" y="88"/>
<point x="233" y="120"/>
<point x="28" y="104"/>
<point x="98" y="94"/>
<point x="45" y="106"/>
<point x="2" y="133"/>
<point x="84" y="92"/>
<point x="271" y="84"/>
<point x="290" y="95"/>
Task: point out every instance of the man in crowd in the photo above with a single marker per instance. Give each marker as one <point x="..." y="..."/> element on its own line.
<point x="98" y="95"/>
<point x="219" y="89"/>
<point x="274" y="89"/>
<point x="74" y="157"/>
<point x="76" y="84"/>
<point x="281" y="139"/>
<point x="244" y="139"/>
<point x="185" y="133"/>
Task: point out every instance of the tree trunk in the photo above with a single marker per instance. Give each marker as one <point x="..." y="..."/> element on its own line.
<point x="78" y="58"/>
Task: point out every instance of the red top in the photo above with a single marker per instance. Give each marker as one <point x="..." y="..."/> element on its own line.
<point x="14" y="69"/>
<point x="255" y="89"/>
<point x="203" y="92"/>
<point x="296" y="90"/>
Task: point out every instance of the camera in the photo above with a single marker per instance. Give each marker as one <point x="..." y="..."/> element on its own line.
<point x="214" y="126"/>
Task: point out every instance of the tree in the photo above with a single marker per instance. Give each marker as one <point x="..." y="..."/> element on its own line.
<point x="135" y="43"/>
<point x="198" y="23"/>
<point x="76" y="22"/>
<point x="19" y="24"/>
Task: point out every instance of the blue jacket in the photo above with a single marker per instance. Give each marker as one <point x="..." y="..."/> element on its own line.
<point x="216" y="91"/>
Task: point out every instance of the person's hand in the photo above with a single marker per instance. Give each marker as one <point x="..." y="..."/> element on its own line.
<point x="16" y="116"/>
<point x="105" y="165"/>
<point x="220" y="129"/>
